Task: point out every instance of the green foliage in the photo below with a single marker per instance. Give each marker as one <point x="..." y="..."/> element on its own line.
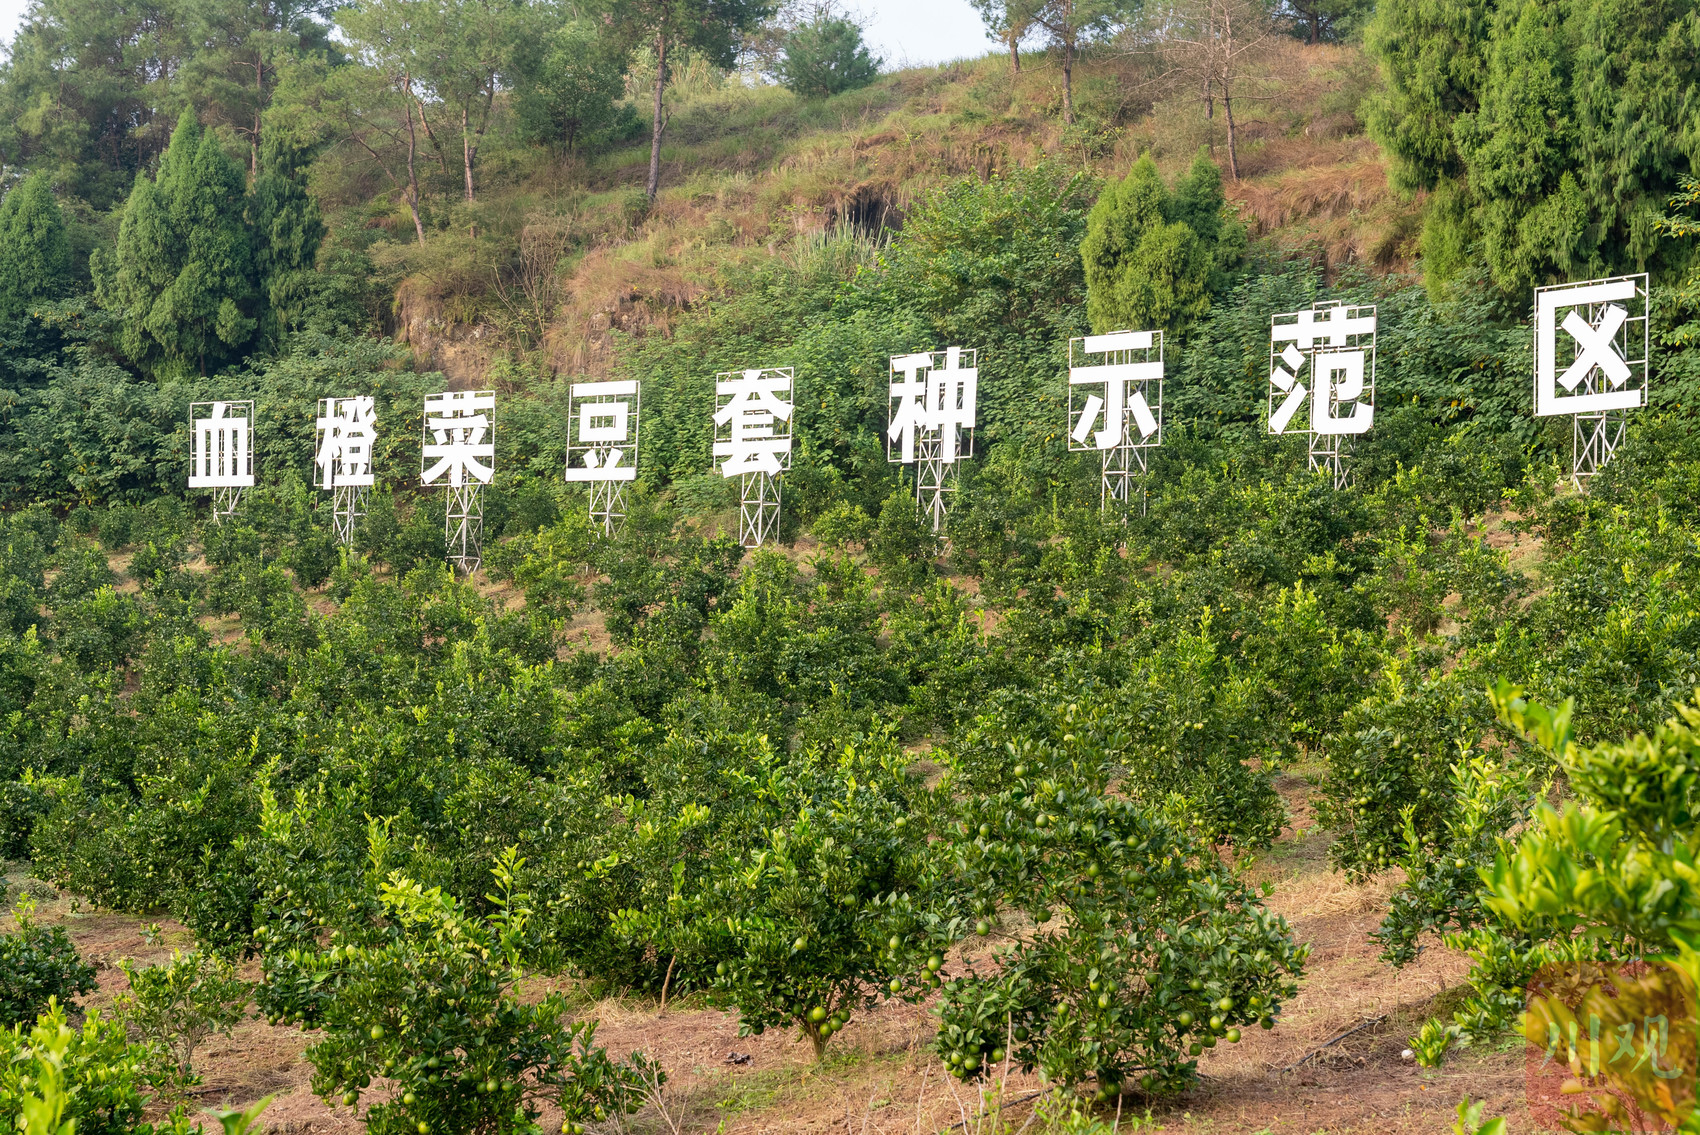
<point x="426" y="998"/>
<point x="38" y="966"/>
<point x="35" y="250"/>
<point x="1441" y="892"/>
<point x="56" y="1077"/>
<point x="799" y="918"/>
<point x="571" y="81"/>
<point x="1510" y="111"/>
<point x="825" y="57"/>
<point x="176" y="1006"/>
<point x="1156" y="258"/>
<point x="182" y="276"/>
<point x="1121" y="952"/>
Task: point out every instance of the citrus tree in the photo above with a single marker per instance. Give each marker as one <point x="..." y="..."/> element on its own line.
<point x="800" y="920"/>
<point x="428" y="1001"/>
<point x="1614" y="874"/>
<point x="1106" y="947"/>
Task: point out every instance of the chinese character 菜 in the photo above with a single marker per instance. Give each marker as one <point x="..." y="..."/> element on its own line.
<point x="459" y="437"/>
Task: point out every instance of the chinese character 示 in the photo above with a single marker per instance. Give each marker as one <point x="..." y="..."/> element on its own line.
<point x="459" y="435"/>
<point x="753" y="423"/>
<point x="931" y="402"/>
<point x="1338" y="344"/>
<point x="348" y="428"/>
<point x="221" y="450"/>
<point x="1605" y="345"/>
<point x="1126" y="385"/>
<point x="603" y="431"/>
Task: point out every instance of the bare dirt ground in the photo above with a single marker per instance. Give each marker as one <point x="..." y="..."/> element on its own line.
<point x="878" y="1078"/>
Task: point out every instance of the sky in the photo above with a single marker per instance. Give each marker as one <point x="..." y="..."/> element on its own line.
<point x="911" y="32"/>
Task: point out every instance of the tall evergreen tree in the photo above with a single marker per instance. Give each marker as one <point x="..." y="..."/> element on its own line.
<point x="183" y="272"/>
<point x="287" y="232"/>
<point x="1155" y="258"/>
<point x="35" y="251"/>
<point x="1550" y="132"/>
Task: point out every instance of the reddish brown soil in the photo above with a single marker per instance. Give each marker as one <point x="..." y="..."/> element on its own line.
<point x="878" y="1077"/>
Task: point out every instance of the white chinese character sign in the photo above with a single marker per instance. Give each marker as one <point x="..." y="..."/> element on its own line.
<point x="1591" y="353"/>
<point x="1115" y="404"/>
<point x="602" y="446"/>
<point x="1322" y="379"/>
<point x="459" y="449"/>
<point x="752" y="441"/>
<point x="221" y="451"/>
<point x="932" y="414"/>
<point x="346" y="430"/>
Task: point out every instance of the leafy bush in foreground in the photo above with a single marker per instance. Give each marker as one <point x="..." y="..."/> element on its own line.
<point x="38" y="964"/>
<point x="428" y="1001"/>
<point x="1124" y="947"/>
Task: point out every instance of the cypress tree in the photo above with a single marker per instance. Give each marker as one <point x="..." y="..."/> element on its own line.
<point x="183" y="274"/>
<point x="1153" y="258"/>
<point x="35" y="250"/>
<point x="287" y="231"/>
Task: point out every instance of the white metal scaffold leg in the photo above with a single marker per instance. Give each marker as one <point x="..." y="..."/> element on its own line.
<point x="1328" y="452"/>
<point x="348" y="505"/>
<point x="224" y="502"/>
<point x="930" y="474"/>
<point x="463" y="527"/>
<point x="608" y="506"/>
<point x="758" y="509"/>
<point x="1124" y="478"/>
<point x="1593" y="440"/>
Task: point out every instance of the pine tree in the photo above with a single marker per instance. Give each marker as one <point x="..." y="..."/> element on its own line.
<point x="183" y="273"/>
<point x="35" y="250"/>
<point x="1153" y="258"/>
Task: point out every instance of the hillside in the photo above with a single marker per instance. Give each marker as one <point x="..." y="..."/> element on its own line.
<point x="757" y="172"/>
<point x="362" y="762"/>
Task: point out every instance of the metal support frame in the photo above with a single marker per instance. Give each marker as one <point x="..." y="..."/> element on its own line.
<point x="1130" y="400"/>
<point x="348" y="506"/>
<point x="1124" y="471"/>
<point x="1328" y="453"/>
<point x="1593" y="439"/>
<point x="608" y="506"/>
<point x="758" y="509"/>
<point x="463" y="527"/>
<point x="932" y="479"/>
<point x="225" y="500"/>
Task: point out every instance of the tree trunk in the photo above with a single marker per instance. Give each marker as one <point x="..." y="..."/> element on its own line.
<point x="1209" y="117"/>
<point x="259" y="103"/>
<point x="1315" y="28"/>
<point x="1228" y="109"/>
<point x="1068" y="84"/>
<point x="659" y="123"/>
<point x="466" y="149"/>
<point x="1014" y="53"/>
<point x="413" y="178"/>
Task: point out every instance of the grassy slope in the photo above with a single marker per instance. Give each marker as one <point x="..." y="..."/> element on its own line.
<point x="748" y="172"/>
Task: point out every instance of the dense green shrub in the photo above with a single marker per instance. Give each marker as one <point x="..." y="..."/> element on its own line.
<point x="38" y="964"/>
<point x="1121" y="951"/>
